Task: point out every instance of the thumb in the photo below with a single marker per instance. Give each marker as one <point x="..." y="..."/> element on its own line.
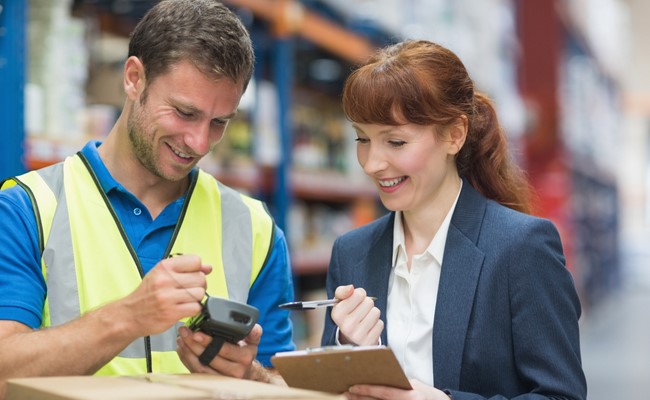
<point x="254" y="335"/>
<point x="343" y="292"/>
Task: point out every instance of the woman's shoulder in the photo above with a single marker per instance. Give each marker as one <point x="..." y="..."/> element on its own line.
<point x="476" y="215"/>
<point x="504" y="219"/>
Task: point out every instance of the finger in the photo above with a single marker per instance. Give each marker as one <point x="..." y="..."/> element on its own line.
<point x="229" y="367"/>
<point x="375" y="333"/>
<point x="193" y="280"/>
<point x="379" y="392"/>
<point x="182" y="263"/>
<point x="349" y="304"/>
<point x="255" y="335"/>
<point x="190" y="360"/>
<point x="370" y="327"/>
<point x="206" y="269"/>
<point x="236" y="359"/>
<point x="352" y="396"/>
<point x="162" y="277"/>
<point x="181" y="296"/>
<point x="241" y="352"/>
<point x="166" y="274"/>
<point x="343" y="292"/>
<point x="353" y="309"/>
<point x="186" y="309"/>
<point x="357" y="329"/>
<point x="196" y="342"/>
<point x="364" y="310"/>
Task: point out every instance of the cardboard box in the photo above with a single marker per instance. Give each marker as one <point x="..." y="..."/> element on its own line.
<point x="154" y="386"/>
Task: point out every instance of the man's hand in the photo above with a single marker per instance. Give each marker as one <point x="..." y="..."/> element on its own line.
<point x="234" y="359"/>
<point x="171" y="291"/>
<point x="356" y="316"/>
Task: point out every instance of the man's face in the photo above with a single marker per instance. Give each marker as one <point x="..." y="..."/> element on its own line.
<point x="178" y="118"/>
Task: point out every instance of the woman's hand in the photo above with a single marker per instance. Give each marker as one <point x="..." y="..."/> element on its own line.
<point x="356" y="316"/>
<point x="420" y="392"/>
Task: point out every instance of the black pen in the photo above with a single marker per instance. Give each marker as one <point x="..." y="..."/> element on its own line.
<point x="310" y="305"/>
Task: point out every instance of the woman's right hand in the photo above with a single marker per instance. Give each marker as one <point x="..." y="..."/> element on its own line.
<point x="356" y="316"/>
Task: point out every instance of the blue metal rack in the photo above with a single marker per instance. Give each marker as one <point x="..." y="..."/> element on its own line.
<point x="13" y="18"/>
<point x="283" y="69"/>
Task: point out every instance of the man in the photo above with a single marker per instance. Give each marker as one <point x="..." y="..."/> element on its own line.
<point x="87" y="243"/>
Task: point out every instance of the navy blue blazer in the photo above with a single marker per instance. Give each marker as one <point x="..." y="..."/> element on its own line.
<point x="506" y="318"/>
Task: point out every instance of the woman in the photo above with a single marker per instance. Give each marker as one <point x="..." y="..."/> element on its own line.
<point x="473" y="295"/>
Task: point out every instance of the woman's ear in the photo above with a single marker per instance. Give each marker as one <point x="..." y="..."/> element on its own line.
<point x="134" y="80"/>
<point x="457" y="132"/>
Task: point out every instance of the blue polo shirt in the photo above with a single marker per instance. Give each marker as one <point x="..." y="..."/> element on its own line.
<point x="23" y="289"/>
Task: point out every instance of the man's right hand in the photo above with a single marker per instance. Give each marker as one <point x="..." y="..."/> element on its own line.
<point x="171" y="291"/>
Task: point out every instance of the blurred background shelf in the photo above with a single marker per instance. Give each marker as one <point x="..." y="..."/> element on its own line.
<point x="561" y="73"/>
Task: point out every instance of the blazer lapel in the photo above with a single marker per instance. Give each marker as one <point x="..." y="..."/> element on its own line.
<point x="375" y="270"/>
<point x="459" y="276"/>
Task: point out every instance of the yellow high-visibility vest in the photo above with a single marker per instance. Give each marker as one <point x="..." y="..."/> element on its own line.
<point x="87" y="260"/>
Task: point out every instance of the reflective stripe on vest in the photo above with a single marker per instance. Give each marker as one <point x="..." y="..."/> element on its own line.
<point x="68" y="195"/>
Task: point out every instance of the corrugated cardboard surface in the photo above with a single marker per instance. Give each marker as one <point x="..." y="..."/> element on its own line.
<point x="149" y="387"/>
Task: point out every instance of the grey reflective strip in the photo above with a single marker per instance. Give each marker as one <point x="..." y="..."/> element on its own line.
<point x="134" y="350"/>
<point x="237" y="243"/>
<point x="165" y="341"/>
<point x="62" y="290"/>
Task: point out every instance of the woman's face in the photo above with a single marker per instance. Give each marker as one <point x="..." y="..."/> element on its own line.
<point x="411" y="165"/>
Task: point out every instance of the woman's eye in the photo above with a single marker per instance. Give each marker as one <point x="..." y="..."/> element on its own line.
<point x="361" y="140"/>
<point x="397" y="143"/>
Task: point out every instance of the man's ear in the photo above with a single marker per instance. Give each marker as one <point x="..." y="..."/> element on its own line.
<point x="134" y="80"/>
<point x="457" y="132"/>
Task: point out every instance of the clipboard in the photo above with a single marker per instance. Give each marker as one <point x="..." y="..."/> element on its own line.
<point x="335" y="368"/>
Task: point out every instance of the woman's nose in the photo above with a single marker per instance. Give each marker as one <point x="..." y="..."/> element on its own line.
<point x="373" y="161"/>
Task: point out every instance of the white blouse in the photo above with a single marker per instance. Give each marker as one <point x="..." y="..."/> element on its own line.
<point x="412" y="301"/>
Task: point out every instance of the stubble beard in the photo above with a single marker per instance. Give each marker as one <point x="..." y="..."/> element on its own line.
<point x="141" y="140"/>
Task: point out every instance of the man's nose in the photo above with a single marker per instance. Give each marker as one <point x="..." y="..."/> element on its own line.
<point x="198" y="138"/>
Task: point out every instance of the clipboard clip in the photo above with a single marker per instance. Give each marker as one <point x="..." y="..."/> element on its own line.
<point x="327" y="349"/>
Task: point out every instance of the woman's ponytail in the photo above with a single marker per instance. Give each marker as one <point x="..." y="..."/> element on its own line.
<point x="486" y="162"/>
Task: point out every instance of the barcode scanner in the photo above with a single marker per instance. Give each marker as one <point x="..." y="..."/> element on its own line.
<point x="225" y="320"/>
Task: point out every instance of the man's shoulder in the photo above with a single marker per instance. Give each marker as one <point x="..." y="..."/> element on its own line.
<point x="14" y="199"/>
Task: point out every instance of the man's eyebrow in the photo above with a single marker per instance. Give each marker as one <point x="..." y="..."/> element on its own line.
<point x="196" y="111"/>
<point x="229" y="116"/>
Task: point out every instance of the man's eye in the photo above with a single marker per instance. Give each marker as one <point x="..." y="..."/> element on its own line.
<point x="184" y="114"/>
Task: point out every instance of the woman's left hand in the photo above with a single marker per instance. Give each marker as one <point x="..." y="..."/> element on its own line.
<point x="420" y="392"/>
<point x="234" y="359"/>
